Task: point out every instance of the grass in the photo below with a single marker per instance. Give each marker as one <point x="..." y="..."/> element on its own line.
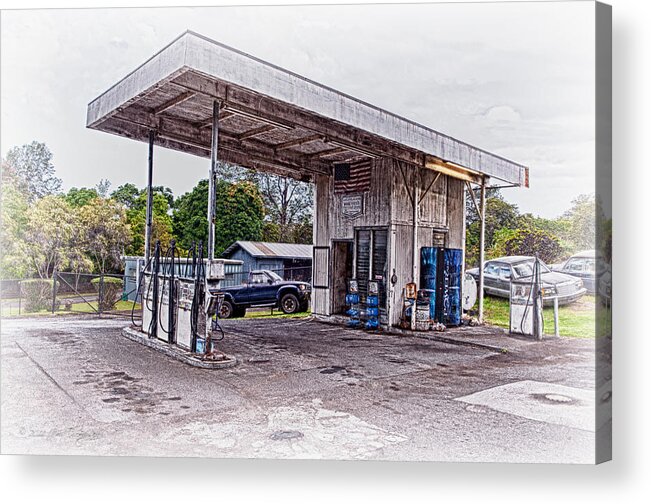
<point x="12" y="311"/>
<point x="575" y="320"/>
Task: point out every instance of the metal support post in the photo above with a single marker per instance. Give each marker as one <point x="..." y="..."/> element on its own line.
<point x="557" y="330"/>
<point x="537" y="301"/>
<point x="100" y="295"/>
<point x="54" y="292"/>
<point x="212" y="180"/>
<point x="150" y="197"/>
<point x="414" y="260"/>
<point x="482" y="239"/>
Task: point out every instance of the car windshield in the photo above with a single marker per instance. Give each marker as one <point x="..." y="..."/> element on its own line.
<point x="525" y="269"/>
<point x="274" y="276"/>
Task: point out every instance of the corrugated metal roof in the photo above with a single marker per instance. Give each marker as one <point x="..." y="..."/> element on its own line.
<point x="271" y="249"/>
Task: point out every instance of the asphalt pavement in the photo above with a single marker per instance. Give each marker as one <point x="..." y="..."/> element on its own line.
<point x="301" y="389"/>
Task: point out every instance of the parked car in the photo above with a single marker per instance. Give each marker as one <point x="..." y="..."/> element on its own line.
<point x="585" y="265"/>
<point x="265" y="288"/>
<point x="499" y="272"/>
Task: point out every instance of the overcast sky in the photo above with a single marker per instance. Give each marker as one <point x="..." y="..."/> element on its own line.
<point x="516" y="79"/>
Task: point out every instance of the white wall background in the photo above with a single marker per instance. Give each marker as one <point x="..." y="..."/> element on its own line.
<point x="104" y="480"/>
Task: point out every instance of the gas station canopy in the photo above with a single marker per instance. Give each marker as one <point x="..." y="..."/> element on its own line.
<point x="273" y="120"/>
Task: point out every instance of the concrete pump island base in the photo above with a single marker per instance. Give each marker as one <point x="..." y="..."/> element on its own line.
<point x="389" y="207"/>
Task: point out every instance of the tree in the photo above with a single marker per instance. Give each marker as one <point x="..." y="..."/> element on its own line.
<point x="526" y="240"/>
<point x="103" y="187"/>
<point x="288" y="204"/>
<point x="189" y="216"/>
<point x="581" y="222"/>
<point x="14" y="218"/>
<point x="239" y="214"/>
<point x="31" y="167"/>
<point x="106" y="232"/>
<point x="126" y="195"/>
<point x="50" y="236"/>
<point x="80" y="197"/>
<point x="161" y="223"/>
<point x="499" y="214"/>
<point x="134" y="201"/>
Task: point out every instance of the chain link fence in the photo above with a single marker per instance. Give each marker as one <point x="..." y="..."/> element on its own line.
<point x="98" y="294"/>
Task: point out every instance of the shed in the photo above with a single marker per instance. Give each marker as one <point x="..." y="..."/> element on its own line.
<point x="291" y="261"/>
<point x="385" y="186"/>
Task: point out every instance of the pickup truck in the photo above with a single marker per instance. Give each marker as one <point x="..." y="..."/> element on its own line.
<point x="264" y="288"/>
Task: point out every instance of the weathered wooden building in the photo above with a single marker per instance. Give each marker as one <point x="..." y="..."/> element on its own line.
<point x="385" y="186"/>
<point x="291" y="261"/>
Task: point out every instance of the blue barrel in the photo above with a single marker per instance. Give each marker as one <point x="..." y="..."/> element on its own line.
<point x="372" y="300"/>
<point x="451" y="287"/>
<point x="428" y="275"/>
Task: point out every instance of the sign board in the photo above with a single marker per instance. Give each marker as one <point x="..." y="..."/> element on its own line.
<point x="352" y="205"/>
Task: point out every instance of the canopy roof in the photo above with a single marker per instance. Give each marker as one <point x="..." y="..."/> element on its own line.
<point x="272" y="119"/>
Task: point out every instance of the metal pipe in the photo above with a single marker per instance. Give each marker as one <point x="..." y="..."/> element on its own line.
<point x="414" y="261"/>
<point x="212" y="180"/>
<point x="557" y="329"/>
<point x="150" y="197"/>
<point x="482" y="239"/>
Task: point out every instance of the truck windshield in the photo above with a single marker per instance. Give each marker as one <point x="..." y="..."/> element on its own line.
<point x="274" y="276"/>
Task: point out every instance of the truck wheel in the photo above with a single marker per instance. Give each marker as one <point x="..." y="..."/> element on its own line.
<point x="226" y="310"/>
<point x="289" y="303"/>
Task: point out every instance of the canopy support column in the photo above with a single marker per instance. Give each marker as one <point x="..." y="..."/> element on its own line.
<point x="150" y="197"/>
<point x="212" y="180"/>
<point x="414" y="261"/>
<point x="482" y="239"/>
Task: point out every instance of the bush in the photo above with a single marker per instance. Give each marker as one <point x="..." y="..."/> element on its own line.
<point x="528" y="241"/>
<point x="111" y="292"/>
<point x="37" y="293"/>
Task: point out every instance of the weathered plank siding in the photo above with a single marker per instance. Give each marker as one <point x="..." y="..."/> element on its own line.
<point x="388" y="204"/>
<point x="456" y="214"/>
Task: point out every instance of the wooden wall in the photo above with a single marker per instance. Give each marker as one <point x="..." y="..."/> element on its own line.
<point x="388" y="204"/>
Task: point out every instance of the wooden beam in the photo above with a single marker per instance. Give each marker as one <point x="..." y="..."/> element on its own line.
<point x="208" y="122"/>
<point x="472" y="197"/>
<point x="189" y="134"/>
<point x="173" y="102"/>
<point x="434" y="180"/>
<point x="256" y="131"/>
<point x="328" y="152"/>
<point x="299" y="141"/>
<point x="432" y="163"/>
<point x="270" y="109"/>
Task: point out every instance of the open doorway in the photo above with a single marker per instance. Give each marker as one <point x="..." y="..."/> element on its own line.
<point x="342" y="270"/>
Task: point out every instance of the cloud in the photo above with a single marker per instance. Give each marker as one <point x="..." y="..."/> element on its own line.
<point x="502" y="114"/>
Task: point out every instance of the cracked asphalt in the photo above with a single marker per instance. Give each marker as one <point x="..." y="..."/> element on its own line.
<point x="301" y="389"/>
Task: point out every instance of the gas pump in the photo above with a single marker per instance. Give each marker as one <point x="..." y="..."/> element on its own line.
<point x="526" y="304"/>
<point x="181" y="305"/>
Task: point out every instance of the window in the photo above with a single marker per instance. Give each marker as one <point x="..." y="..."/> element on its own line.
<point x="274" y="276"/>
<point x="505" y="272"/>
<point x="574" y="265"/>
<point x="491" y="269"/>
<point x="258" y="278"/>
